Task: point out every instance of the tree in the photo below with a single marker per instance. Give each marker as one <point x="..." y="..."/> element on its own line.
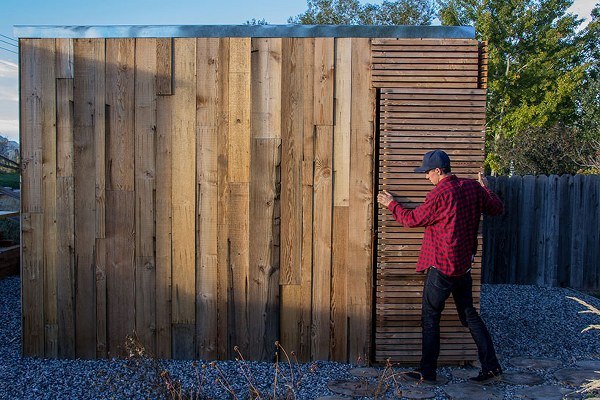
<point x="352" y="12"/>
<point x="536" y="66"/>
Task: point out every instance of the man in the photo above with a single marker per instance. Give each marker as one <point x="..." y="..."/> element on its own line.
<point x="450" y="215"/>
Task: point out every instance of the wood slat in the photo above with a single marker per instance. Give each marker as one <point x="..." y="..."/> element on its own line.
<point x="239" y="140"/>
<point x="361" y="201"/>
<point x="164" y="66"/>
<point x="89" y="119"/>
<point x="322" y="230"/>
<point x="164" y="181"/>
<point x="293" y="85"/>
<point x="183" y="198"/>
<point x="209" y="104"/>
<point x="264" y="222"/>
<point x="120" y="193"/>
<point x="297" y="81"/>
<point x="145" y="173"/>
<point x="341" y="188"/>
<point x="223" y="343"/>
<point x="65" y="218"/>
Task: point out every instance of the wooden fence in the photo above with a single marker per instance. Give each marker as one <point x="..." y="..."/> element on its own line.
<point x="549" y="234"/>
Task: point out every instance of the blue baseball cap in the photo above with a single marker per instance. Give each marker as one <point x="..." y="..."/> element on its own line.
<point x="434" y="159"/>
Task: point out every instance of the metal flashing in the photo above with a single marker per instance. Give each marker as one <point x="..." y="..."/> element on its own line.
<point x="259" y="31"/>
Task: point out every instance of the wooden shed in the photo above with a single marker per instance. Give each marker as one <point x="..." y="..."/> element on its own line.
<point x="214" y="186"/>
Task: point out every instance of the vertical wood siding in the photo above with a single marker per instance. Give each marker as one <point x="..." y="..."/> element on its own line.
<point x="204" y="193"/>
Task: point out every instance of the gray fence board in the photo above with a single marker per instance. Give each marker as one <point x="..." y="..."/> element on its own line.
<point x="549" y="234"/>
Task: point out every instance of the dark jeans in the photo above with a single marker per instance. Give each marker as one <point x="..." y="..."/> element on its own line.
<point x="436" y="290"/>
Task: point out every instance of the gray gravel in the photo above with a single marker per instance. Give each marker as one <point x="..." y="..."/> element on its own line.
<point x="525" y="321"/>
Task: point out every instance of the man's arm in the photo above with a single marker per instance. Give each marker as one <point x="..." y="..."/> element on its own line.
<point x="424" y="215"/>
<point x="492" y="204"/>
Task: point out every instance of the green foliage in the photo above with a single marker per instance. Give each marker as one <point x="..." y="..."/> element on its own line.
<point x="542" y="151"/>
<point x="352" y="12"/>
<point x="537" y="68"/>
<point x="11" y="180"/>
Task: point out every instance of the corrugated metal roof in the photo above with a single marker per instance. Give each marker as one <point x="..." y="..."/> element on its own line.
<point x="133" y="31"/>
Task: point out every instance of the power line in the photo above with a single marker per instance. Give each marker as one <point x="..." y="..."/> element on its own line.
<point x="10" y="51"/>
<point x="9" y="43"/>
<point x="8" y="37"/>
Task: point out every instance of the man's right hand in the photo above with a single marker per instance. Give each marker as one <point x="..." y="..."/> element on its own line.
<point x="385" y="198"/>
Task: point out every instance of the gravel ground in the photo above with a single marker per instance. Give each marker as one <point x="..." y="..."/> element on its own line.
<point x="523" y="320"/>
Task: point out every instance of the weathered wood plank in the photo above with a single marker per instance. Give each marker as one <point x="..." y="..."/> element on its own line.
<point x="295" y="325"/>
<point x="324" y="78"/>
<point x="322" y="230"/>
<point x="239" y="176"/>
<point x="88" y="117"/>
<point x="164" y="65"/>
<point x="65" y="218"/>
<point x="239" y="110"/>
<point x="183" y="195"/>
<point x="64" y="58"/>
<point x="263" y="283"/>
<point x="266" y="64"/>
<point x="209" y="67"/>
<point x="291" y="161"/>
<point x="120" y="194"/>
<point x="145" y="173"/>
<point x="265" y="157"/>
<point x="224" y="344"/>
<point x="164" y="179"/>
<point x="120" y="98"/>
<point x="361" y="202"/>
<point x="239" y="265"/>
<point x="47" y="93"/>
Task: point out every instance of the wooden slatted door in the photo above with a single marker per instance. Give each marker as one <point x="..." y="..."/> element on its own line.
<point x="431" y="96"/>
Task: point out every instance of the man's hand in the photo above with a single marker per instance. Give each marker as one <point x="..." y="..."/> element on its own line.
<point x="483" y="180"/>
<point x="384" y="198"/>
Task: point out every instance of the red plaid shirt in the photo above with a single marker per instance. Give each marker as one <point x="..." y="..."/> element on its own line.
<point x="450" y="215"/>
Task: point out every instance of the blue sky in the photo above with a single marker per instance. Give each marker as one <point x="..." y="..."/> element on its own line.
<point x="134" y="12"/>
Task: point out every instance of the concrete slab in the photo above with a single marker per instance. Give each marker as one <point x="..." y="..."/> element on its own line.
<point x="522" y="378"/>
<point x="575" y="376"/>
<point x="544" y="392"/>
<point x="352" y="388"/>
<point x="589" y="364"/>
<point x="464" y="373"/>
<point x="535" y="362"/>
<point x="416" y="393"/>
<point x="469" y="391"/>
<point x="365" y="372"/>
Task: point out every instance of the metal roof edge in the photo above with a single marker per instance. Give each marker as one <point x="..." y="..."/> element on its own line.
<point x="292" y="30"/>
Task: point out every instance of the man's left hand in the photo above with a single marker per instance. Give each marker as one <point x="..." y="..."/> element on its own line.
<point x="384" y="198"/>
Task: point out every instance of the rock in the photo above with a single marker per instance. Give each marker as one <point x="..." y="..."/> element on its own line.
<point x="469" y="391"/>
<point x="352" y="388"/>
<point x="365" y="372"/>
<point x="545" y="392"/>
<point x="415" y="393"/>
<point x="575" y="376"/>
<point x="522" y="378"/>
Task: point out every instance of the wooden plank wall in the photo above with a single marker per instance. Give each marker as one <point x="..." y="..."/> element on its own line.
<point x="202" y="192"/>
<point x="432" y="96"/>
<point x="549" y="234"/>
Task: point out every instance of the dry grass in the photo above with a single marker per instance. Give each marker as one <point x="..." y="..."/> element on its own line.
<point x="592" y="386"/>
